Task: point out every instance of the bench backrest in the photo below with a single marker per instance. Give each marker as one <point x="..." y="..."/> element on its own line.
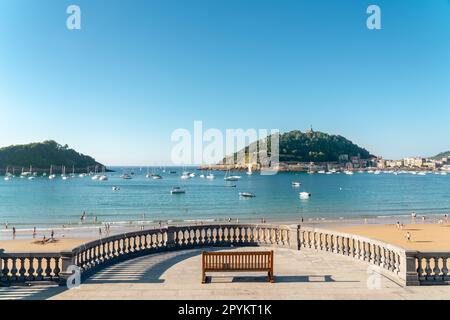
<point x="228" y="261"/>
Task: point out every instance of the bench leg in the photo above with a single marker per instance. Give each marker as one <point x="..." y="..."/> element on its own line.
<point x="204" y="277"/>
<point x="270" y="277"/>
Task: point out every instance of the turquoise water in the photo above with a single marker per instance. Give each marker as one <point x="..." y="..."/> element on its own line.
<point x="44" y="202"/>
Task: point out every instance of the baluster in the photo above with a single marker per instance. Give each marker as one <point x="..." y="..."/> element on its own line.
<point x="14" y="269"/>
<point x="372" y="253"/>
<point x="437" y="270"/>
<point x="445" y="275"/>
<point x="56" y="270"/>
<point x="39" y="269"/>
<point x="5" y="269"/>
<point x="48" y="269"/>
<point x="22" y="270"/>
<point x="327" y="242"/>
<point x="420" y="269"/>
<point x="428" y="269"/>
<point x="30" y="276"/>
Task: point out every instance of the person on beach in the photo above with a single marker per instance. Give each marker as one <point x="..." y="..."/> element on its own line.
<point x="446" y="218"/>
<point x="6" y="225"/>
<point x="34" y="232"/>
<point x="95" y="219"/>
<point x="100" y="232"/>
<point x="52" y="235"/>
<point x="413" y="217"/>
<point x="423" y="219"/>
<point x="398" y="225"/>
<point x="83" y="216"/>
<point x="303" y="219"/>
<point x="14" y="232"/>
<point x="408" y="236"/>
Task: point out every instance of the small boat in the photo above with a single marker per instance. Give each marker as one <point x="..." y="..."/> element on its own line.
<point x="95" y="177"/>
<point x="8" y="176"/>
<point x="422" y="173"/>
<point x="377" y="172"/>
<point x="210" y="176"/>
<point x="192" y="175"/>
<point x="126" y="176"/>
<point x="304" y="195"/>
<point x="348" y="172"/>
<point x="202" y="176"/>
<point x="103" y="177"/>
<point x="249" y="170"/>
<point x="296" y="184"/>
<point x="321" y="172"/>
<point x="63" y="174"/>
<point x="247" y="194"/>
<point x="443" y="173"/>
<point x="115" y="188"/>
<point x="177" y="190"/>
<point x="185" y="177"/>
<point x="156" y="177"/>
<point x="231" y="178"/>
<point x="31" y="178"/>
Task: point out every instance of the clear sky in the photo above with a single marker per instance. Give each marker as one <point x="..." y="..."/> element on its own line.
<point x="137" y="70"/>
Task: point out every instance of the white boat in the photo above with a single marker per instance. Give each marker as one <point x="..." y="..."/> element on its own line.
<point x="249" y="170"/>
<point x="377" y="172"/>
<point x="247" y="194"/>
<point x="304" y="195"/>
<point x="422" y="173"/>
<point x="321" y="171"/>
<point x="177" y="190"/>
<point x="115" y="188"/>
<point x="210" y="176"/>
<point x="8" y="176"/>
<point x="156" y="177"/>
<point x="185" y="177"/>
<point x="202" y="176"/>
<point x="443" y="173"/>
<point x="348" y="172"/>
<point x="51" y="175"/>
<point x="103" y="177"/>
<point x="192" y="175"/>
<point x="296" y="184"/>
<point x="95" y="177"/>
<point x="126" y="176"/>
<point x="231" y="178"/>
<point x="63" y="174"/>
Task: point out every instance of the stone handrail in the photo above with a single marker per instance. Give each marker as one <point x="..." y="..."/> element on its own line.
<point x="394" y="262"/>
<point x="405" y="267"/>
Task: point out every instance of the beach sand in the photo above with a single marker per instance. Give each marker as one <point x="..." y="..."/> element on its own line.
<point x="34" y="245"/>
<point x="424" y="237"/>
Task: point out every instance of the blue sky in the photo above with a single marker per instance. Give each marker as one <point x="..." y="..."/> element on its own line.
<point x="137" y="70"/>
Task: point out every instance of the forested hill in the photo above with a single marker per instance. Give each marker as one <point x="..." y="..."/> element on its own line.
<point x="44" y="154"/>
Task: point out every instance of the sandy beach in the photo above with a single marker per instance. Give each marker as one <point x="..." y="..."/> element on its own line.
<point x="424" y="237"/>
<point x="34" y="245"/>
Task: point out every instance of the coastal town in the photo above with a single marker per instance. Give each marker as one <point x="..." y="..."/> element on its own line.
<point x="347" y="164"/>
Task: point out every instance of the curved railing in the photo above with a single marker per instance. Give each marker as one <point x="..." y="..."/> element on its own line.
<point x="406" y="267"/>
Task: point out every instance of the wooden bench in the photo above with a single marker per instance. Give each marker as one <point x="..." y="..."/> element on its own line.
<point x="244" y="261"/>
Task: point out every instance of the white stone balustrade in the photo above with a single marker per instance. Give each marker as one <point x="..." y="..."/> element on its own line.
<point x="403" y="266"/>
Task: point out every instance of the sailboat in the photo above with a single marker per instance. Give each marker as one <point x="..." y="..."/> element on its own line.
<point x="96" y="175"/>
<point x="63" y="174"/>
<point x="51" y="175"/>
<point x="249" y="171"/>
<point x="8" y="176"/>
<point x="231" y="178"/>
<point x="103" y="177"/>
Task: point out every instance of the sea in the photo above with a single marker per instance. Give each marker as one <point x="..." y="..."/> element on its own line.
<point x="45" y="203"/>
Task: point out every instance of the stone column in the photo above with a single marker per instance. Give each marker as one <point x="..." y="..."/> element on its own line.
<point x="408" y="268"/>
<point x="294" y="237"/>
<point x="67" y="259"/>
<point x="171" y="238"/>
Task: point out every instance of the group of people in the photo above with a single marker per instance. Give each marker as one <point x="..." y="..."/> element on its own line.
<point x="424" y="218"/>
